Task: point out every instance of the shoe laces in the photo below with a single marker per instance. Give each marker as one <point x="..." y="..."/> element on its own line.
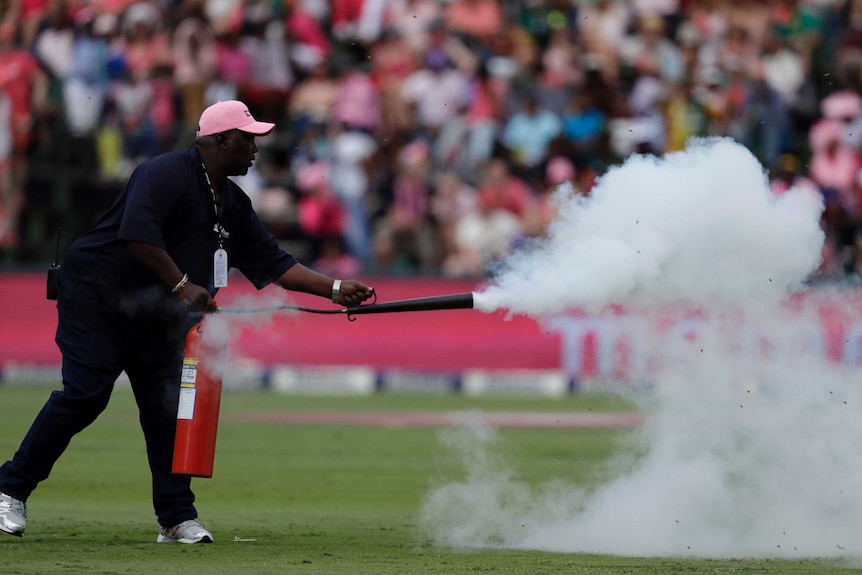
<point x="15" y="505"/>
<point x="191" y="526"/>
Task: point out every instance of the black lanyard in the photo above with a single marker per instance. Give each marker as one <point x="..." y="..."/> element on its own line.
<point x="215" y="207"/>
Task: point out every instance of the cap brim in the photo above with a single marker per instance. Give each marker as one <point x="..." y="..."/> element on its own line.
<point x="257" y="128"/>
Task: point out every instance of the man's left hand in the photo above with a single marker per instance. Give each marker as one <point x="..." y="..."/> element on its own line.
<point x="354" y="292"/>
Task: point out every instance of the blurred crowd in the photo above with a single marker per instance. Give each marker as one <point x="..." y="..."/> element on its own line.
<point x="421" y="136"/>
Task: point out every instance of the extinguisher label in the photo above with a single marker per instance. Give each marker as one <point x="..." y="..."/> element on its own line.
<point x="190" y="371"/>
<point x="186" y="408"/>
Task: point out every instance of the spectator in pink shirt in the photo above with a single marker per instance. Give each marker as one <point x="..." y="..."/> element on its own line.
<point x="479" y="19"/>
<point x="233" y="67"/>
<point x="499" y="188"/>
<point x="309" y="44"/>
<point x="834" y="165"/>
<point x="482" y="118"/>
<point x="144" y="44"/>
<point x="358" y="103"/>
<point x="321" y="215"/>
<point x="411" y="187"/>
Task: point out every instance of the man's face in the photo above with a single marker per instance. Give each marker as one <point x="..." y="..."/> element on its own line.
<point x="238" y="151"/>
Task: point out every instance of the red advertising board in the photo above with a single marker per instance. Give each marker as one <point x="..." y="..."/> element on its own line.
<point x="619" y="344"/>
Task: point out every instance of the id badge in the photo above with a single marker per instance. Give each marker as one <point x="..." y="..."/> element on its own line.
<point x="220" y="268"/>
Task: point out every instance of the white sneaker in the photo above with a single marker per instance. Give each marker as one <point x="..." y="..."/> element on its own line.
<point x="190" y="531"/>
<point x="13" y="515"/>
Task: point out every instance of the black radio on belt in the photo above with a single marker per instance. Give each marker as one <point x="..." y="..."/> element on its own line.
<point x="53" y="272"/>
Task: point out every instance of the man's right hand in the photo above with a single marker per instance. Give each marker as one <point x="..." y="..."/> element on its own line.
<point x="195" y="298"/>
<point x="192" y="297"/>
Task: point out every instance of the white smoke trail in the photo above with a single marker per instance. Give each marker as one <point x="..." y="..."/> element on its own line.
<point x="222" y="328"/>
<point x="695" y="225"/>
<point x="748" y="450"/>
<point x="739" y="457"/>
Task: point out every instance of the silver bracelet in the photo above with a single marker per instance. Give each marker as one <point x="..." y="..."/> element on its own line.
<point x="182" y="282"/>
<point x="336" y="290"/>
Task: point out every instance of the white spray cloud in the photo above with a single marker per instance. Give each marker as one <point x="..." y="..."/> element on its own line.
<point x="748" y="450"/>
<point x="694" y="225"/>
<point x="737" y="458"/>
<point x="245" y="313"/>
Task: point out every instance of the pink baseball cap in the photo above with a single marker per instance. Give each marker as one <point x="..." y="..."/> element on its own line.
<point x="231" y="115"/>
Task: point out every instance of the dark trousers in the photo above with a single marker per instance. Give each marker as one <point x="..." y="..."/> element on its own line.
<point x="94" y="355"/>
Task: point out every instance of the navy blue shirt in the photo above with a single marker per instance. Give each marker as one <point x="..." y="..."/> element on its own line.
<point x="167" y="203"/>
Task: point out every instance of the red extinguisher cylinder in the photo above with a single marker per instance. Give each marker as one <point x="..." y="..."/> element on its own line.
<point x="200" y="401"/>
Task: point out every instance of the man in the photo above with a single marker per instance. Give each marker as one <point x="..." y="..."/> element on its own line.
<point x="127" y="294"/>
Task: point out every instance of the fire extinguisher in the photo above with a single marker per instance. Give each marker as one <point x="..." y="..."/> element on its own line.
<point x="200" y="400"/>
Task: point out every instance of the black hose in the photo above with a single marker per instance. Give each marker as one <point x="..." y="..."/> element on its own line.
<point x="453" y="301"/>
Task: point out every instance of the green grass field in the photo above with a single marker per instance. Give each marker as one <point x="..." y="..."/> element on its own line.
<point x="306" y="498"/>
